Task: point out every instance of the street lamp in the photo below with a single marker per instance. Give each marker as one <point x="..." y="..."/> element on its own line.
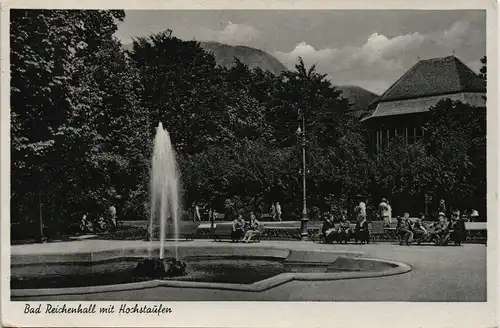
<point x="303" y="221"/>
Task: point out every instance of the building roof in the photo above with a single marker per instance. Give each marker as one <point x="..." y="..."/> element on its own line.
<point x="427" y="78"/>
<point x="432" y="77"/>
<point x="419" y="105"/>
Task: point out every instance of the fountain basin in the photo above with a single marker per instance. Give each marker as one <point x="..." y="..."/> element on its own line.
<point x="245" y="268"/>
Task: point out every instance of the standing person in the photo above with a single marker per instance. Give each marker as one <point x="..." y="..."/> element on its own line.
<point x="389" y="210"/>
<point x="474" y="215"/>
<point x="211" y="217"/>
<point x="442" y="207"/>
<point x="457" y="228"/>
<point x="197" y="216"/>
<point x="383" y="212"/>
<point x="254" y="228"/>
<point x="112" y="215"/>
<point x="278" y="211"/>
<point x="273" y="211"/>
<point x="361" y="210"/>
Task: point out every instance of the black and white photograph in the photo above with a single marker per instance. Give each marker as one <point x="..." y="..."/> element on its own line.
<point x="237" y="155"/>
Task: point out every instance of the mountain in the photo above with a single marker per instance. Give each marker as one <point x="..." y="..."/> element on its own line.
<point x="358" y="97"/>
<point x="224" y="55"/>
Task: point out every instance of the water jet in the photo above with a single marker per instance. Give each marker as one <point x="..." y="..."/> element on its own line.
<point x="164" y="205"/>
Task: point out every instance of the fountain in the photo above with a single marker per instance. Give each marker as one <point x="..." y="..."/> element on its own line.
<point x="164" y="198"/>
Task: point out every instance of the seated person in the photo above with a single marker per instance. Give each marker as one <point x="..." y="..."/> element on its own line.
<point x="457" y="228"/>
<point x="253" y="229"/>
<point x="328" y="229"/>
<point x="441" y="234"/>
<point x="84" y="224"/>
<point x="344" y="232"/>
<point x="419" y="230"/>
<point x="102" y="224"/>
<point x="238" y="228"/>
<point x="361" y="232"/>
<point x="405" y="230"/>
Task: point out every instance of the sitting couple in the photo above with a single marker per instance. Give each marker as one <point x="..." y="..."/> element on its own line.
<point x="446" y="231"/>
<point x="340" y="234"/>
<point x="409" y="231"/>
<point x="240" y="225"/>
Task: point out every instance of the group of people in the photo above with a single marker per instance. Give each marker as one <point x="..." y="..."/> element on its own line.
<point x="276" y="212"/>
<point x="344" y="232"/>
<point x="103" y="223"/>
<point x="441" y="232"/>
<point x="243" y="230"/>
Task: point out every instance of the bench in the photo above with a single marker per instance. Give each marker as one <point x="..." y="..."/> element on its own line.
<point x="222" y="232"/>
<point x="376" y="229"/>
<point x="280" y="233"/>
<point x="189" y="232"/>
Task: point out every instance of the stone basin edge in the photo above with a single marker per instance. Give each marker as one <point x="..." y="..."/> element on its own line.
<point x="393" y="268"/>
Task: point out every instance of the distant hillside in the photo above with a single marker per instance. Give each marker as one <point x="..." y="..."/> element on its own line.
<point x="224" y="55"/>
<point x="358" y="97"/>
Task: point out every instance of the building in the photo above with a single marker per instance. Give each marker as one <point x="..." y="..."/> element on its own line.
<point x="402" y="109"/>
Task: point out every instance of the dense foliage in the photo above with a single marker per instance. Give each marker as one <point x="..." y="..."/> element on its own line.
<point x="83" y="113"/>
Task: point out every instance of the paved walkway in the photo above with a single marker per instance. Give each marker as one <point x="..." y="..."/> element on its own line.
<point x="438" y="274"/>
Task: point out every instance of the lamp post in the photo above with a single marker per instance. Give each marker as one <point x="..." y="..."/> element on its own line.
<point x="304" y="219"/>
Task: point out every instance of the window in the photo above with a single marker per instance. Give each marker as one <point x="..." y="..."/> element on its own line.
<point x="411" y="135"/>
<point x="385" y="138"/>
<point x="400" y="131"/>
<point x="392" y="134"/>
<point x="419" y="134"/>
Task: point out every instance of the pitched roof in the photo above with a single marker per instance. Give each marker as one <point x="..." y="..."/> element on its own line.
<point x="419" y="105"/>
<point x="433" y="77"/>
<point x="425" y="82"/>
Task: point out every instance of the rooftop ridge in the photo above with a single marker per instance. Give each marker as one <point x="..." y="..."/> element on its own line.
<point x="435" y="75"/>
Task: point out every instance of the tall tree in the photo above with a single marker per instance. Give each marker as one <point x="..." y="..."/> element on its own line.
<point x="73" y="97"/>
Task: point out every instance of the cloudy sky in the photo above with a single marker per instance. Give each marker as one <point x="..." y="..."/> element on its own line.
<point x="371" y="49"/>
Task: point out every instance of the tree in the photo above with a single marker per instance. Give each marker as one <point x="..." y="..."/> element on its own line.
<point x="457" y="140"/>
<point x="74" y="127"/>
<point x="482" y="70"/>
<point x="182" y="88"/>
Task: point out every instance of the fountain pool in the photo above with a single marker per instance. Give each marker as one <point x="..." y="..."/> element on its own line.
<point x="248" y="267"/>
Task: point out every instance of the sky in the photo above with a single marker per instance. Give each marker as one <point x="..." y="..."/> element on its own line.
<point x="369" y="48"/>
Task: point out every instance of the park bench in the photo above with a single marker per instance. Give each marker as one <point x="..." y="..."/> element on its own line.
<point x="222" y="232"/>
<point x="189" y="232"/>
<point x="376" y="229"/>
<point x="280" y="233"/>
<point x="476" y="232"/>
